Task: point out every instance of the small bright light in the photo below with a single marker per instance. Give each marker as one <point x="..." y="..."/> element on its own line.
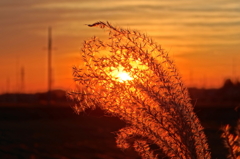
<point x="124" y="76"/>
<point x="120" y="74"/>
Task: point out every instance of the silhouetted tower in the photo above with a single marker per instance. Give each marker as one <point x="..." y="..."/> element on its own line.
<point x="204" y="81"/>
<point x="17" y="75"/>
<point x="8" y="85"/>
<point x="49" y="64"/>
<point x="233" y="70"/>
<point x="22" y="80"/>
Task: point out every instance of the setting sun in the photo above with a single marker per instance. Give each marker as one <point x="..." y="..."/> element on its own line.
<point x="120" y="75"/>
<point x="124" y="76"/>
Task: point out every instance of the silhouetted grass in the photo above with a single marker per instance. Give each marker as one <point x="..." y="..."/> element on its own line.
<point x="154" y="104"/>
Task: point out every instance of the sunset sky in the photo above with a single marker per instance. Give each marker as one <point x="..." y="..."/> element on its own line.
<point x="202" y="36"/>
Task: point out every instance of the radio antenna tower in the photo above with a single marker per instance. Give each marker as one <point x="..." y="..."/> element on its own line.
<point x="22" y="80"/>
<point x="49" y="64"/>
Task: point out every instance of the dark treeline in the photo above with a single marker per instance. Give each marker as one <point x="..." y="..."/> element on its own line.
<point x="214" y="107"/>
<point x="56" y="96"/>
<point x="227" y="95"/>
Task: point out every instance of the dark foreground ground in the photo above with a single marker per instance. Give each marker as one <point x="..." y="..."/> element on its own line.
<point x="58" y="133"/>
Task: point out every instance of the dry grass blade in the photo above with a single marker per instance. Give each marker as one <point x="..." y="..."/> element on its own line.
<point x="232" y="141"/>
<point x="151" y="97"/>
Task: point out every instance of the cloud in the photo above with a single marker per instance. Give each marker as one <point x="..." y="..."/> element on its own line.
<point x="191" y="29"/>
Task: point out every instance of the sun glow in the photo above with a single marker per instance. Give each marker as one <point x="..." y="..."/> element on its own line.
<point x="124" y="76"/>
<point x="120" y="75"/>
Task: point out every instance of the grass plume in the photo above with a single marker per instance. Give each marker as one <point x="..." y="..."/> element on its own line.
<point x="153" y="102"/>
<point x="232" y="141"/>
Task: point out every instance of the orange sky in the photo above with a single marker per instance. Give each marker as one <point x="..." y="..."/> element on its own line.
<point x="202" y="36"/>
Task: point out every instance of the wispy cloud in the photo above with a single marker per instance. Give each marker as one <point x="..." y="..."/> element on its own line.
<point x="190" y="28"/>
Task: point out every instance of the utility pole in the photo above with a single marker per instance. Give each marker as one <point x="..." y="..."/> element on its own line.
<point x="22" y="80"/>
<point x="8" y="85"/>
<point x="233" y="70"/>
<point x="49" y="64"/>
<point x="17" y="75"/>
